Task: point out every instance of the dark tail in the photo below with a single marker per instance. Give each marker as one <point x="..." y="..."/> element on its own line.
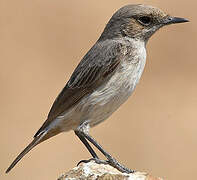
<point x="35" y="141"/>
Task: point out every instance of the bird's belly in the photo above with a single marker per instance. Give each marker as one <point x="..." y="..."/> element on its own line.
<point x="105" y="103"/>
<point x="96" y="107"/>
<point x="99" y="105"/>
<point x="108" y="98"/>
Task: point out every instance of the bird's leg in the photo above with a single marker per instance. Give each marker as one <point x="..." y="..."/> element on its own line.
<point x="112" y="161"/>
<point x="92" y="152"/>
<point x="85" y="142"/>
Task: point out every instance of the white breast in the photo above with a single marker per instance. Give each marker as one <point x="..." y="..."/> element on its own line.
<point x="106" y="99"/>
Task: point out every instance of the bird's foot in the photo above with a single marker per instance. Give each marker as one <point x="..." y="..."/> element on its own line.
<point x="114" y="163"/>
<point x="96" y="160"/>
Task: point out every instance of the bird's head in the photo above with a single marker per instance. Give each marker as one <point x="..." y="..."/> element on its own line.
<point x="138" y="21"/>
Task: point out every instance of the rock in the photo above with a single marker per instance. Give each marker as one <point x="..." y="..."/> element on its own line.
<point x="94" y="171"/>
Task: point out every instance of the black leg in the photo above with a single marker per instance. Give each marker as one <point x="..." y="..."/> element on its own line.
<point x="85" y="142"/>
<point x="112" y="161"/>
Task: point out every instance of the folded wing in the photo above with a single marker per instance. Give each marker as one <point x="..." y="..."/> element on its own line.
<point x="97" y="66"/>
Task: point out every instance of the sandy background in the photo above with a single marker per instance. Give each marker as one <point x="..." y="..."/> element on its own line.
<point x="41" y="42"/>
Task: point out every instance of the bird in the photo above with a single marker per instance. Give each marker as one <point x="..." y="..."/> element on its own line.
<point x="104" y="79"/>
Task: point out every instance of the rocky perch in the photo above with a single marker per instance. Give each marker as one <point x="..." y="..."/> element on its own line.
<point x="94" y="171"/>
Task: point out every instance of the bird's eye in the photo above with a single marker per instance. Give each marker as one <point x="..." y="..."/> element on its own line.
<point x="145" y="20"/>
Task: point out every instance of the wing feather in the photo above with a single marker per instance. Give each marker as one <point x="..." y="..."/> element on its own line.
<point x="97" y="66"/>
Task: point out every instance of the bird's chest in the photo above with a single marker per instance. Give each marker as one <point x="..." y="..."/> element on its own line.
<point x="125" y="79"/>
<point x="107" y="98"/>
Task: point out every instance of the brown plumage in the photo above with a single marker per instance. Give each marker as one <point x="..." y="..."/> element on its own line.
<point x="105" y="77"/>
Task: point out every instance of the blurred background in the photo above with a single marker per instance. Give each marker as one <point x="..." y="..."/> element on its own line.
<point x="41" y="42"/>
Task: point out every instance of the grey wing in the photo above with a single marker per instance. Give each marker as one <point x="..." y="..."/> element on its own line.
<point x="96" y="67"/>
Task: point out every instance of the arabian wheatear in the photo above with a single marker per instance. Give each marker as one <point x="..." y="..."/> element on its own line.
<point x="104" y="79"/>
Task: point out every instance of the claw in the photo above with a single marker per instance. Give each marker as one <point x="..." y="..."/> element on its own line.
<point x="98" y="161"/>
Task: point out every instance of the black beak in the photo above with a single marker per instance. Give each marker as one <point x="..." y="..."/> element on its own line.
<point x="174" y="20"/>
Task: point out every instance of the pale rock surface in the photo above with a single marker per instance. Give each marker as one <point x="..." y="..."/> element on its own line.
<point x="94" y="171"/>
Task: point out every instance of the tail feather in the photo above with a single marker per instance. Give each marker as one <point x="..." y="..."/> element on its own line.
<point x="35" y="141"/>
